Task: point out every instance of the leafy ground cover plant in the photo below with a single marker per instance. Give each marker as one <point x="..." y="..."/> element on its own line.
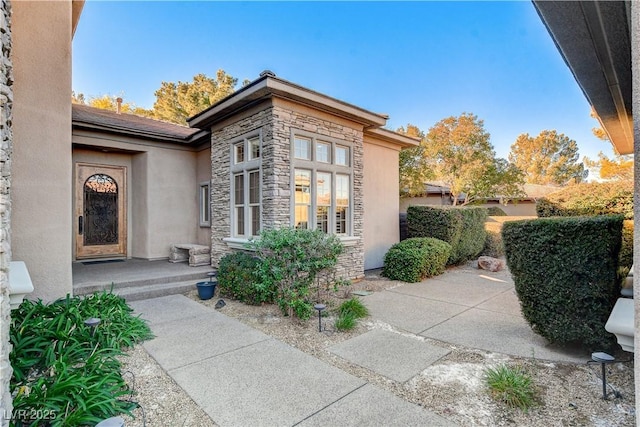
<point x="349" y="312"/>
<point x="511" y="385"/>
<point x="65" y="372"/>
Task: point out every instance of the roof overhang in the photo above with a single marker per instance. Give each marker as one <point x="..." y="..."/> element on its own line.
<point x="76" y="11"/>
<point x="595" y="41"/>
<point x="267" y="86"/>
<point x="196" y="139"/>
<point x="396" y="138"/>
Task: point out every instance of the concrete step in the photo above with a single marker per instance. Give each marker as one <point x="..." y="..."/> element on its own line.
<point x="91" y="287"/>
<point x="156" y="290"/>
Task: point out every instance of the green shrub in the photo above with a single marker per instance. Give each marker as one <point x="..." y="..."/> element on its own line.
<point x="65" y="371"/>
<point x="355" y="306"/>
<point x="290" y="261"/>
<point x="511" y="385"/>
<point x="493" y="245"/>
<point x="237" y="279"/>
<point x="495" y="211"/>
<point x="595" y="198"/>
<point x="462" y="228"/>
<point x="345" y="321"/>
<point x="565" y="274"/>
<point x="626" y="251"/>
<point x="414" y="259"/>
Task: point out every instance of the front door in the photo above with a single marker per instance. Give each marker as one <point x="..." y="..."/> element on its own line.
<point x="100" y="220"/>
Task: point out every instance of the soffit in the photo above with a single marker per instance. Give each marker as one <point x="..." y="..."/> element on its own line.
<point x="594" y="40"/>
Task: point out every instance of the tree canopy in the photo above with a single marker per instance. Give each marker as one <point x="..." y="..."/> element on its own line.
<point x="458" y="151"/>
<point x="619" y="168"/>
<point x="109" y="102"/>
<point x="549" y="158"/>
<point x="175" y="102"/>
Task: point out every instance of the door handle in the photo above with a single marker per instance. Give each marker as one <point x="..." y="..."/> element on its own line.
<point x="80" y="225"/>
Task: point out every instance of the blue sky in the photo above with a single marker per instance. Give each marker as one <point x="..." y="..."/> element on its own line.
<point x="416" y="61"/>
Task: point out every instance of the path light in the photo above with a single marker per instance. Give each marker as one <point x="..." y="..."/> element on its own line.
<point x="319" y="307"/>
<point x="93" y="323"/>
<point x="603" y="359"/>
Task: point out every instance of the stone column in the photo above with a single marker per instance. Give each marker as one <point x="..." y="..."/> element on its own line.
<point x="6" y="137"/>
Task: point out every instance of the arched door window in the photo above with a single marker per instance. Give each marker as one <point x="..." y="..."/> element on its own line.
<point x="100" y="196"/>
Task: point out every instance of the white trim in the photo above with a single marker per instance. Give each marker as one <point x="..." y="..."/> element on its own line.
<point x="237" y="243"/>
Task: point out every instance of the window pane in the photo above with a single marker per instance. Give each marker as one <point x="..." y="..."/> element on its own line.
<point x="341" y="220"/>
<point x="302" y="148"/>
<point x="303" y="186"/>
<point x="238" y="189"/>
<point x="301" y="219"/>
<point x="342" y="190"/>
<point x="254" y="148"/>
<point x="322" y="218"/>
<point x="240" y="221"/>
<point x="239" y="150"/>
<point x="255" y="220"/>
<point x="323" y="189"/>
<point x="204" y="204"/>
<point x="322" y="152"/>
<point x="254" y="187"/>
<point x="342" y="155"/>
<point x="302" y="198"/>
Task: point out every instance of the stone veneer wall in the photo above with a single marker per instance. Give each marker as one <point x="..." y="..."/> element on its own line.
<point x="6" y="101"/>
<point x="276" y="124"/>
<point x="351" y="262"/>
<point x="221" y="181"/>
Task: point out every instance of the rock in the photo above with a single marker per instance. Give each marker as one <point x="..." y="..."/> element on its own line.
<point x="491" y="264"/>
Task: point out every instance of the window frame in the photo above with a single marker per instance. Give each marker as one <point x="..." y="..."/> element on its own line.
<point x="204" y="192"/>
<point x="245" y="168"/>
<point x="317" y="167"/>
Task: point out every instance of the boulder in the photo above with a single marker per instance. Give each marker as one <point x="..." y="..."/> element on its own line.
<point x="490" y="263"/>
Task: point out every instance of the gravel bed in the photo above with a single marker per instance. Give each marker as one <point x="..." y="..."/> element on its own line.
<point x="454" y="387"/>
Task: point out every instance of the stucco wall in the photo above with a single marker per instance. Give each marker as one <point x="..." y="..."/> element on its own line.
<point x="6" y="136"/>
<point x="381" y="205"/>
<point x="523" y="208"/>
<point x="163" y="185"/>
<point x="41" y="188"/>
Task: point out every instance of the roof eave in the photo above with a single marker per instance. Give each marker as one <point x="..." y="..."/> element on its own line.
<point x="269" y="86"/>
<point x="193" y="140"/>
<point x="392" y="137"/>
<point x="593" y="38"/>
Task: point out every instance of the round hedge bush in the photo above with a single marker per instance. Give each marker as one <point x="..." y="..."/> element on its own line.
<point x="414" y="259"/>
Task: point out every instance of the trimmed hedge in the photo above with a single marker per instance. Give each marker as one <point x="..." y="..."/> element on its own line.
<point x="461" y="227"/>
<point x="238" y="279"/>
<point x="414" y="259"/>
<point x="595" y="198"/>
<point x="565" y="274"/>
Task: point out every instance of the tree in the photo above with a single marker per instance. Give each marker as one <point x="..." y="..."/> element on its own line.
<point x="414" y="168"/>
<point x="549" y="158"/>
<point x="620" y="168"/>
<point x="460" y="152"/>
<point x="109" y="102"/>
<point x="175" y="102"/>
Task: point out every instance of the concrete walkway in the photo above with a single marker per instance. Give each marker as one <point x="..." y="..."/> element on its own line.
<point x="242" y="377"/>
<point x="468" y="307"/>
<point x="239" y="376"/>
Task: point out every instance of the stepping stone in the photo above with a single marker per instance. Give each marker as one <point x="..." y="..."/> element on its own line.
<point x="361" y="293"/>
<point x="395" y="356"/>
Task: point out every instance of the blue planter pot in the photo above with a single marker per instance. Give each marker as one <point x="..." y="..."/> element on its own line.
<point x="206" y="289"/>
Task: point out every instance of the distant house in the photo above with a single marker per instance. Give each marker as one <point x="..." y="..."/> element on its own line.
<point x="93" y="184"/>
<point x="437" y="193"/>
